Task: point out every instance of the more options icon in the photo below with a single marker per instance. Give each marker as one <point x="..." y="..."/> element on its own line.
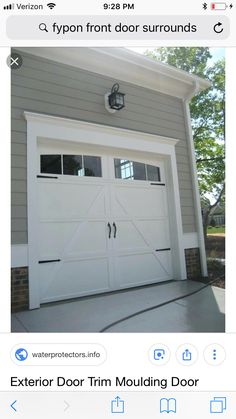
<point x="214" y="354"/>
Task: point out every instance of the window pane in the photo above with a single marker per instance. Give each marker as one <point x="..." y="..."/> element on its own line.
<point x="123" y="169"/>
<point x="126" y="169"/>
<point x="92" y="166"/>
<point x="139" y="171"/>
<point x="153" y="173"/>
<point x="72" y="165"/>
<point x="50" y="163"/>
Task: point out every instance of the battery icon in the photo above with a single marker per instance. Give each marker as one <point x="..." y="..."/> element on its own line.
<point x="218" y="6"/>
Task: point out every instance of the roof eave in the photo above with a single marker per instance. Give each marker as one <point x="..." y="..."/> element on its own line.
<point x="127" y="66"/>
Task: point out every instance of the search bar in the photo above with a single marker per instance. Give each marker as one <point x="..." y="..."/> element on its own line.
<point x="118" y="27"/>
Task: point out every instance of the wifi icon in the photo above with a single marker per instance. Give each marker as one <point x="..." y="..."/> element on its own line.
<point x="51" y="5"/>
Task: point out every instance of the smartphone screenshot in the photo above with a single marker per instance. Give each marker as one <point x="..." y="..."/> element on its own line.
<point x="117" y="274"/>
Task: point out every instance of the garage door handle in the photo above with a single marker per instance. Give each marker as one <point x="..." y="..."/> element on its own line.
<point x="109" y="226"/>
<point x="115" y="229"/>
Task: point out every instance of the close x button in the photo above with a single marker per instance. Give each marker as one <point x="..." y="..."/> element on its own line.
<point x="14" y="61"/>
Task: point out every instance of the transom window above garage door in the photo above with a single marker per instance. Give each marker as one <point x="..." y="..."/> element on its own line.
<point x="73" y="165"/>
<point x="127" y="169"/>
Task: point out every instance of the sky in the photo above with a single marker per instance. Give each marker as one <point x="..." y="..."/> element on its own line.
<point x="217" y="54"/>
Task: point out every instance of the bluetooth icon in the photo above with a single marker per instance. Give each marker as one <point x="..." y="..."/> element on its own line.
<point x="204" y="6"/>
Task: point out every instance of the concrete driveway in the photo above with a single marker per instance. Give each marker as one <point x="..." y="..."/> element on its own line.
<point x="145" y="309"/>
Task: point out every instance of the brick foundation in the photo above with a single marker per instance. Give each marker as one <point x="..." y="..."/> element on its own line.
<point x="19" y="289"/>
<point x="193" y="264"/>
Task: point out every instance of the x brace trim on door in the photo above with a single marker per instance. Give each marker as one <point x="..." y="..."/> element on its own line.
<point x="134" y="221"/>
<point x="56" y="268"/>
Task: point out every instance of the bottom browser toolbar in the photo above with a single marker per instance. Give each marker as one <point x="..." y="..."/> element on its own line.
<point x="129" y="405"/>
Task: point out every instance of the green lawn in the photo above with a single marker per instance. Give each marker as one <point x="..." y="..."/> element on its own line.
<point x="215" y="230"/>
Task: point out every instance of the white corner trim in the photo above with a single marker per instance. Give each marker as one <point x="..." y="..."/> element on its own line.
<point x="19" y="255"/>
<point x="175" y="218"/>
<point x="196" y="194"/>
<point x="190" y="240"/>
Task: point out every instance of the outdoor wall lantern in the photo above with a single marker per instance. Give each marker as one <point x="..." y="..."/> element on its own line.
<point x="114" y="100"/>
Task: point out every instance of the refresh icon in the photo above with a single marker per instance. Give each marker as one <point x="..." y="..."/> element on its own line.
<point x="218" y="27"/>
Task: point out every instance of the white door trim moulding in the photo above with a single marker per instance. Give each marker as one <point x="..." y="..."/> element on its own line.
<point x="41" y="126"/>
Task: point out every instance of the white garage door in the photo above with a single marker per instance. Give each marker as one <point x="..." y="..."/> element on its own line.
<point x="103" y="224"/>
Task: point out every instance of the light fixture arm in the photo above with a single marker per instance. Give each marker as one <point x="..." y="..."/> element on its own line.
<point x="115" y="88"/>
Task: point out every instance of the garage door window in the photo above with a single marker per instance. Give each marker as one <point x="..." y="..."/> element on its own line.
<point x="50" y="163"/>
<point x="153" y="173"/>
<point x="92" y="166"/>
<point x="126" y="169"/>
<point x="73" y="165"/>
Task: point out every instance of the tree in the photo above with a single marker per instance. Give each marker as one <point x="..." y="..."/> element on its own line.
<point x="207" y="115"/>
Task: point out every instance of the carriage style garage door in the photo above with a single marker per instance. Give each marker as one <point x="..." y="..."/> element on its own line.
<point x="102" y="223"/>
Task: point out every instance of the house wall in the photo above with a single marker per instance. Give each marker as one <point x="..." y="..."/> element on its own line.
<point x="44" y="86"/>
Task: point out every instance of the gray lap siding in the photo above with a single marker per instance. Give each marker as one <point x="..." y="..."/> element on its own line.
<point x="48" y="87"/>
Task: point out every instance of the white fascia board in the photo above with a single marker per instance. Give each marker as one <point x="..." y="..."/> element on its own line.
<point x="149" y="64"/>
<point x="125" y="65"/>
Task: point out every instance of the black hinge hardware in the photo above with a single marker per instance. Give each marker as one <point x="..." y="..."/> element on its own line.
<point x="50" y="260"/>
<point x="47" y="177"/>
